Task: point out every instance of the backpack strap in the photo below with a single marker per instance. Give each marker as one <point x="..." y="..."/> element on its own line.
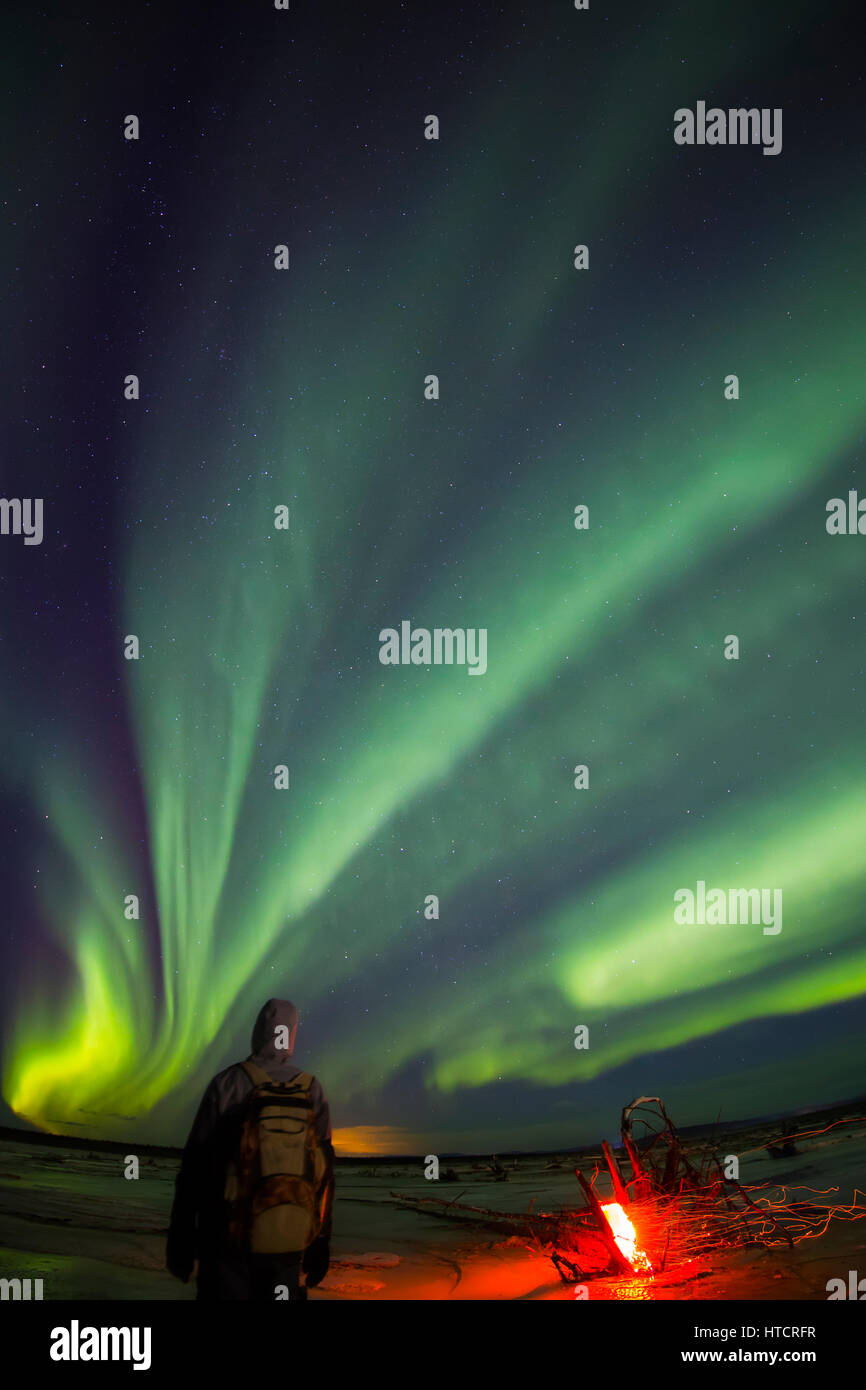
<point x="259" y="1076"/>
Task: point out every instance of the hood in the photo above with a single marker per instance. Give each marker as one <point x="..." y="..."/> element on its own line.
<point x="273" y="1015"/>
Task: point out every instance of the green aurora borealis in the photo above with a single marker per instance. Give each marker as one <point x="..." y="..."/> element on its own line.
<point x="260" y="647"/>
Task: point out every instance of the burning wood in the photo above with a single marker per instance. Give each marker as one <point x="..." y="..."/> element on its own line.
<point x="674" y="1208"/>
<point x="625" y="1236"/>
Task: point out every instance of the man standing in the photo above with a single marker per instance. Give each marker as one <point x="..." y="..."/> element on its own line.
<point x="271" y="1097"/>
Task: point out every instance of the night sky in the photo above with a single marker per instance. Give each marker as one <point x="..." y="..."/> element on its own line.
<point x="259" y="647"/>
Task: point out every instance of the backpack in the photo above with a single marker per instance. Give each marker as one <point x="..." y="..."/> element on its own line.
<point x="276" y="1186"/>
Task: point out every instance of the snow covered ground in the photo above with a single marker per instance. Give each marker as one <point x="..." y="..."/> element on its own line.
<point x="70" y="1217"/>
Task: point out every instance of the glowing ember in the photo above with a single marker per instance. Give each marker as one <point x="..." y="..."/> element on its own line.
<point x="625" y="1235"/>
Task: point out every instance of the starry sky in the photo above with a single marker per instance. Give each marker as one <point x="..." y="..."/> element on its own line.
<point x="259" y="647"/>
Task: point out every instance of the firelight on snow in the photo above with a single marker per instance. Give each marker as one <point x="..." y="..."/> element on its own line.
<point x="625" y="1236"/>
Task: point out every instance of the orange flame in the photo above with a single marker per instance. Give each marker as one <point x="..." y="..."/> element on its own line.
<point x="625" y="1236"/>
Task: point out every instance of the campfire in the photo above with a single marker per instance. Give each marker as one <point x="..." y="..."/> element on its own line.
<point x="625" y="1236"/>
<point x="669" y="1208"/>
<point x="674" y="1208"/>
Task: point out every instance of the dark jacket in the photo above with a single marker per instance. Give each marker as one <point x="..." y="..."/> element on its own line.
<point x="199" y="1219"/>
